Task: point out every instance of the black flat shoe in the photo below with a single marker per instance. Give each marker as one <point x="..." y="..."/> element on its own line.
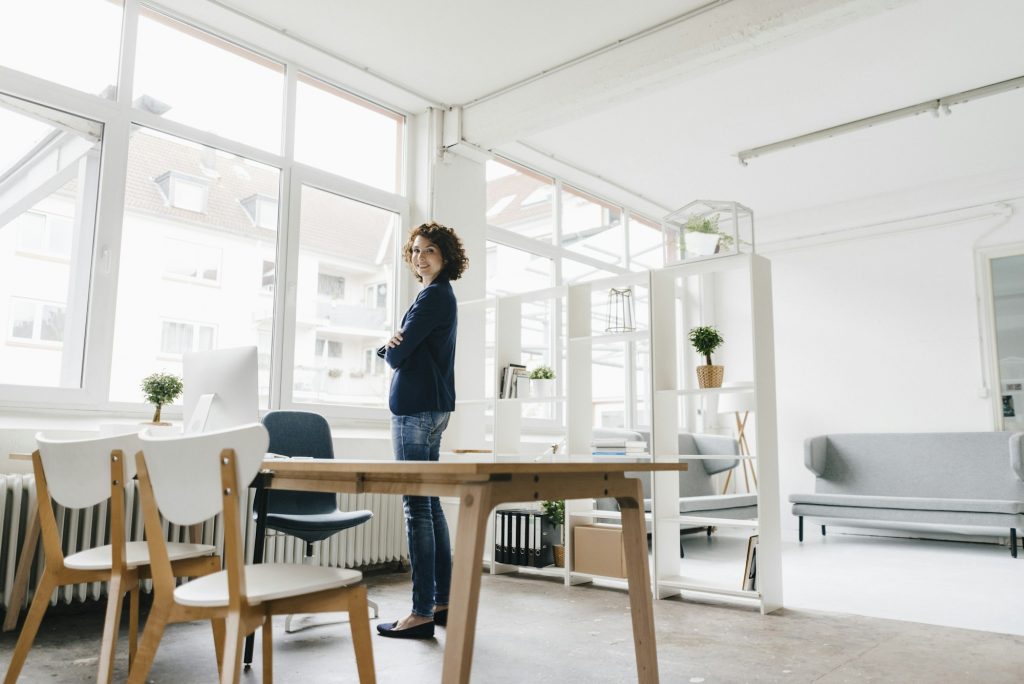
<point x="441" y="617"/>
<point x="424" y="631"/>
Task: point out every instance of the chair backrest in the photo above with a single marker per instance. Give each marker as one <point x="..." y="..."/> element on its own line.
<point x="77" y="467"/>
<point x="299" y="433"/>
<point x="185" y="470"/>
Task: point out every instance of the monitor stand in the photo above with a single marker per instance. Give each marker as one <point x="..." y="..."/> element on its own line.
<point x="197" y="423"/>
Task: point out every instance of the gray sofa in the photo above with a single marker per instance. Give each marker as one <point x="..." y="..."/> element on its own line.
<point x="973" y="479"/>
<point x="697" y="492"/>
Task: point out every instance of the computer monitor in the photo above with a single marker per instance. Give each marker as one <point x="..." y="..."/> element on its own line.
<point x="221" y="389"/>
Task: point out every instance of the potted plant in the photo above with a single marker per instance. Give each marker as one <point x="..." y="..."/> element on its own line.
<point x="706" y="339"/>
<point x="542" y="382"/>
<point x="702" y="237"/>
<point x="555" y="512"/>
<point x="160" y="389"/>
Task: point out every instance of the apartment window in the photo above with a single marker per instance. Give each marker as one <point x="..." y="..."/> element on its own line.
<point x="327" y="349"/>
<point x="192" y="261"/>
<point x="45" y="234"/>
<point x="261" y="210"/>
<point x="190" y="76"/>
<point x="36" y="321"/>
<point x="182" y="191"/>
<point x="377" y="296"/>
<point x="178" y="337"/>
<point x="330" y="286"/>
<point x="374" y="365"/>
<point x="347" y="135"/>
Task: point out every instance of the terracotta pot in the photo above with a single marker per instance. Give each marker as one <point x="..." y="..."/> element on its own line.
<point x="710" y="376"/>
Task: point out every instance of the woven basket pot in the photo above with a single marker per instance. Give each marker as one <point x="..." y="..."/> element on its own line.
<point x="710" y="376"/>
<point x="559" y="555"/>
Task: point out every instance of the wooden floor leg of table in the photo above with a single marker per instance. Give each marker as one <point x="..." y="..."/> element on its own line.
<point x="465" y="592"/>
<point x="20" y="585"/>
<point x="634" y="535"/>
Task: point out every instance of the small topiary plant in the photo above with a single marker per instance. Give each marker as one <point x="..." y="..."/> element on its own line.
<point x="160" y="389"/>
<point x="706" y="339"/>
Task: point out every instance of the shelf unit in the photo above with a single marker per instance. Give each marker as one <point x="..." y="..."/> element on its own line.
<point x="674" y="403"/>
<point x="679" y="302"/>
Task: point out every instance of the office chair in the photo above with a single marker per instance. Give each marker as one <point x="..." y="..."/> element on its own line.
<point x="310" y="516"/>
<point x="195" y="478"/>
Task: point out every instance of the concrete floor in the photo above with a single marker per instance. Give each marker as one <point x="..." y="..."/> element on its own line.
<point x="532" y="629"/>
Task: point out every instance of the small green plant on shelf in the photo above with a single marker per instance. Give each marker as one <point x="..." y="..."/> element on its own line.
<point x="542" y="373"/>
<point x="555" y="512"/>
<point x="708" y="225"/>
<point x="706" y="339"/>
<point x="160" y="389"/>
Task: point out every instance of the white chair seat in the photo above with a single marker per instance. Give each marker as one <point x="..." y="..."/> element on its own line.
<point x="136" y="554"/>
<point x="265" y="582"/>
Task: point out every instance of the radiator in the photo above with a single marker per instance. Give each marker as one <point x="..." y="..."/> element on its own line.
<point x="381" y="540"/>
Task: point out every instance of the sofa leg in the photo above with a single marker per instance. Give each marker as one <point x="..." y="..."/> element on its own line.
<point x="822" y="530"/>
<point x="1013" y="542"/>
<point x="801" y="533"/>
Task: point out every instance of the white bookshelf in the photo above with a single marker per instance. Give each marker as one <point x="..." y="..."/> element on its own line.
<point x="679" y="302"/>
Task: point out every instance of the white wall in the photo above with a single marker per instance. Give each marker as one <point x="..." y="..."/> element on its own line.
<point x="880" y="334"/>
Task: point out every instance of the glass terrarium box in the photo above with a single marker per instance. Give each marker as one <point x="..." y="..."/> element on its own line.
<point x="707" y="228"/>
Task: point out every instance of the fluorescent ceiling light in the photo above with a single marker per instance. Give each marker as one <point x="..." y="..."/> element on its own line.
<point x="942" y="104"/>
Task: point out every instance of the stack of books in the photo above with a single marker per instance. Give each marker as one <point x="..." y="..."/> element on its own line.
<point x="618" y="446"/>
<point x="510" y="380"/>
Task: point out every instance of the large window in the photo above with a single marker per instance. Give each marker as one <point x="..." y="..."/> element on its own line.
<point x="214" y="85"/>
<point x="49" y="175"/>
<point x="71" y="42"/>
<point x="347" y="135"/>
<point x="345" y="249"/>
<point x="183" y="239"/>
<point x="544" y="233"/>
<point x="220" y="248"/>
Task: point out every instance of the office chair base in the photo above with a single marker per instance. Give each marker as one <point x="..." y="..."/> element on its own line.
<point x="298" y="623"/>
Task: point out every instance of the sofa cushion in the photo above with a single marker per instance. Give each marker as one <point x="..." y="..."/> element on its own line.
<point x="908" y="515"/>
<point x="954" y="465"/>
<point x="718" y="502"/>
<point x="911" y="503"/>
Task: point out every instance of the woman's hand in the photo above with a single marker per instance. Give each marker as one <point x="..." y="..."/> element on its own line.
<point x="395" y="340"/>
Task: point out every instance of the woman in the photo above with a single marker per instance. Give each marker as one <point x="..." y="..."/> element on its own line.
<point x="422" y="354"/>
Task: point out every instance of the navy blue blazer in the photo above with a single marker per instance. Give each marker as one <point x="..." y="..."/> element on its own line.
<point x="424" y="362"/>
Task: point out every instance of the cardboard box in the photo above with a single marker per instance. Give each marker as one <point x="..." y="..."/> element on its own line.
<point x="597" y="550"/>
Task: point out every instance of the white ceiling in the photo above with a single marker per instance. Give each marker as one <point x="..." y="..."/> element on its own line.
<point x="750" y="84"/>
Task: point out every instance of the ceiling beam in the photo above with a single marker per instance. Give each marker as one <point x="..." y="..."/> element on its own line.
<point x="709" y="37"/>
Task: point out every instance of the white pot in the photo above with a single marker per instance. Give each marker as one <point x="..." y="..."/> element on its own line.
<point x="701" y="244"/>
<point x="542" y="388"/>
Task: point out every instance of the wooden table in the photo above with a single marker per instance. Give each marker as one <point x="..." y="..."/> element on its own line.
<point x="480" y="487"/>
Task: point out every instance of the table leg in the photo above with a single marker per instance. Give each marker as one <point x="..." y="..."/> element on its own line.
<point x="465" y="593"/>
<point x="634" y="535"/>
<point x="259" y="506"/>
<point x="28" y="552"/>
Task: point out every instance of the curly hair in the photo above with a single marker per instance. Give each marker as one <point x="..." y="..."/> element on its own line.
<point x="454" y="256"/>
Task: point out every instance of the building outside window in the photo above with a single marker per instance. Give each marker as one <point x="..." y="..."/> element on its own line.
<point x="45" y="234"/>
<point x="178" y="337"/>
<point x="192" y="261"/>
<point x="36" y="321"/>
<point x="183" y="192"/>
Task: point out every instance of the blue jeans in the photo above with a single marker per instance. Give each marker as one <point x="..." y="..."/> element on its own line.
<point x="418" y="438"/>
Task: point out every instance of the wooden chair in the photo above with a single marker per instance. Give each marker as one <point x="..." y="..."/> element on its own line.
<point x="81" y="473"/>
<point x="192" y="478"/>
